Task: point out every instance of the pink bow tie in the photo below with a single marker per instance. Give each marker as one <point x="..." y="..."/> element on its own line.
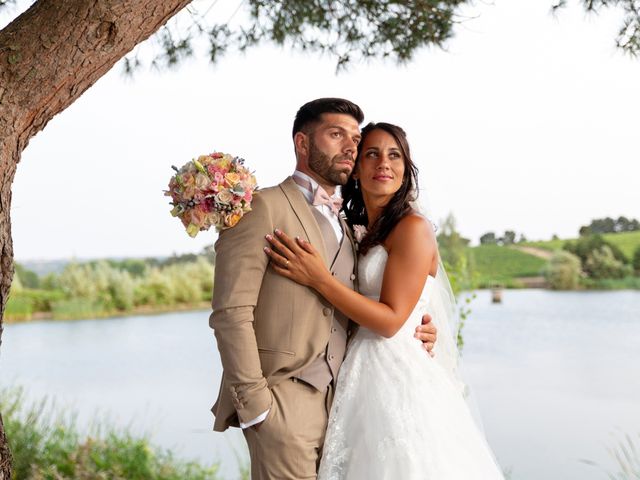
<point x="321" y="197"/>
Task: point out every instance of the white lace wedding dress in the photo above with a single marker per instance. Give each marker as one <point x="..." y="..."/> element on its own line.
<point x="399" y="413"/>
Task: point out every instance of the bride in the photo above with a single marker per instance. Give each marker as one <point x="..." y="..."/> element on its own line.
<point x="397" y="413"/>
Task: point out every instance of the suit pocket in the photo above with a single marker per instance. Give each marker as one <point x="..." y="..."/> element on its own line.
<point x="274" y="351"/>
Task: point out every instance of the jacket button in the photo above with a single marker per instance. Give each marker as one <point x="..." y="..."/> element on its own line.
<point x="326" y="311"/>
<point x="333" y="274"/>
<point x="352" y="276"/>
<point x="331" y="357"/>
<point x="334" y="329"/>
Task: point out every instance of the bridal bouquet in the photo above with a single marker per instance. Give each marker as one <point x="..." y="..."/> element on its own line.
<point x="212" y="190"/>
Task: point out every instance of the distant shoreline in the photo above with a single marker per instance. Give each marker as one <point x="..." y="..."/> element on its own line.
<point x="136" y="311"/>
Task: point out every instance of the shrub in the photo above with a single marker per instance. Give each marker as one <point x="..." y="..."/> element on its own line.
<point x="584" y="246"/>
<point x="18" y="308"/>
<point x="47" y="445"/>
<point x="76" y="308"/>
<point x="563" y="271"/>
<point x="601" y="263"/>
<point x="636" y="261"/>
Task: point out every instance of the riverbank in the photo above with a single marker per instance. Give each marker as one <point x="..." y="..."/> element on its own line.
<point x="524" y="265"/>
<point x="136" y="311"/>
<point x="46" y="443"/>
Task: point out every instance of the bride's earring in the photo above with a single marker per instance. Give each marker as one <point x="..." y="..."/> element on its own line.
<point x="356" y="180"/>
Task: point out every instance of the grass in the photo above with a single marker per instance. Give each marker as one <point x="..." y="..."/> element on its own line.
<point x="627" y="242"/>
<point x="627" y="283"/>
<point x="550" y="245"/>
<point x="47" y="445"/>
<point x="626" y="456"/>
<point x="77" y="308"/>
<point x="495" y="264"/>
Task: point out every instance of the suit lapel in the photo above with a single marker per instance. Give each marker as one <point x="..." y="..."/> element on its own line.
<point x="301" y="208"/>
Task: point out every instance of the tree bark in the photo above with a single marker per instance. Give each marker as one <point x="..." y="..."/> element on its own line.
<point x="49" y="56"/>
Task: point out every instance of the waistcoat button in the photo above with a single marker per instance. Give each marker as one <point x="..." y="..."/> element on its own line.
<point x="326" y="311"/>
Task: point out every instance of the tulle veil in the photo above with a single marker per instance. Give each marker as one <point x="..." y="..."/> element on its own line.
<point x="446" y="317"/>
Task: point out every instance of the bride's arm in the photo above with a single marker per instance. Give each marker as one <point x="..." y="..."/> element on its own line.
<point x="412" y="251"/>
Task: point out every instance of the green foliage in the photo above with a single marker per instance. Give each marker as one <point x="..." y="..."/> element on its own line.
<point x="501" y="265"/>
<point x="488" y="238"/>
<point x="635" y="263"/>
<point x="134" y="266"/>
<point x="601" y="263"/>
<point x="16" y="285"/>
<point x="628" y="38"/>
<point x="626" y="283"/>
<point x="610" y="225"/>
<point x="345" y="30"/>
<point x="509" y="237"/>
<point x="48" y="445"/>
<point x="50" y="282"/>
<point x="23" y="303"/>
<point x="453" y="253"/>
<point x="584" y="246"/>
<point x="563" y="271"/>
<point x="78" y="308"/>
<point x="18" y="308"/>
<point x="28" y="278"/>
<point x="627" y="242"/>
<point x="551" y="245"/>
<point x="105" y="287"/>
<point x="452" y="248"/>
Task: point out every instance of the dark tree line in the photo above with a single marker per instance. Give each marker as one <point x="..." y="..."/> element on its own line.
<point x="610" y="225"/>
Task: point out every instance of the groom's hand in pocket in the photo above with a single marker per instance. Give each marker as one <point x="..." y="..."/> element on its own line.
<point x="427" y="333"/>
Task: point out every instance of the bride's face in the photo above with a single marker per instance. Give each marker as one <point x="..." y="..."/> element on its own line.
<point x="380" y="168"/>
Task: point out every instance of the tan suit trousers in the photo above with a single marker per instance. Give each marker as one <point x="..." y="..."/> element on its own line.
<point x="288" y="444"/>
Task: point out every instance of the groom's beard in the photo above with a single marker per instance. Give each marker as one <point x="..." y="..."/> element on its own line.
<point x="329" y="168"/>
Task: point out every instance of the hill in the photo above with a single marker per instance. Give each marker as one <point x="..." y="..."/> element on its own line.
<point x="626" y="241"/>
<point x="494" y="264"/>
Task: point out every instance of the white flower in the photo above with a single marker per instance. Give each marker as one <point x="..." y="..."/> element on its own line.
<point x="359" y="232"/>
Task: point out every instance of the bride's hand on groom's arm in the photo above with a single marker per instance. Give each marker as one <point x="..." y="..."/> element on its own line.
<point x="296" y="260"/>
<point x="427" y="333"/>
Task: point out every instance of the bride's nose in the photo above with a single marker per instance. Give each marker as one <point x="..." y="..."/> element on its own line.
<point x="383" y="163"/>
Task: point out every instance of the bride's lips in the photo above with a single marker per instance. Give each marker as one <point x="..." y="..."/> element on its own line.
<point x="383" y="178"/>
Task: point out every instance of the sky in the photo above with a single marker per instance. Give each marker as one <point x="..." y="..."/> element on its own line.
<point x="526" y="122"/>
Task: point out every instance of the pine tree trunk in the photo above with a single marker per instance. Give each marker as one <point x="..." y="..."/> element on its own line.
<point x="49" y="56"/>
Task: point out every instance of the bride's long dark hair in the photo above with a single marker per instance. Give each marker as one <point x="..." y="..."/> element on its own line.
<point x="400" y="204"/>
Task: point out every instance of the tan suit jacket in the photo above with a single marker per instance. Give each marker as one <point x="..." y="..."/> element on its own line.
<point x="268" y="328"/>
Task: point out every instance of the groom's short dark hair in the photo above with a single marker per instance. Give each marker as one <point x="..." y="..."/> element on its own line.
<point x="310" y="112"/>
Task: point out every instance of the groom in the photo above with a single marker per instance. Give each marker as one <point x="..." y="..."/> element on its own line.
<point x="281" y="343"/>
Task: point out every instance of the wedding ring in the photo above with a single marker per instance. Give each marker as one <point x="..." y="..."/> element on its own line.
<point x="286" y="264"/>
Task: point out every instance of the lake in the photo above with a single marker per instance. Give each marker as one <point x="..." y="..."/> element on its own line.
<point x="555" y="375"/>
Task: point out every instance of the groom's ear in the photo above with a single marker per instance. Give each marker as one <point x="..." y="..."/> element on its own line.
<point x="301" y="144"/>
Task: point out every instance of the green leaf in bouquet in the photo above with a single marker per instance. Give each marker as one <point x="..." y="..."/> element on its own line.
<point x="199" y="166"/>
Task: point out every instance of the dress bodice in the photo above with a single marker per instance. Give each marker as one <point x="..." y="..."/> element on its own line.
<point x="371" y="275"/>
